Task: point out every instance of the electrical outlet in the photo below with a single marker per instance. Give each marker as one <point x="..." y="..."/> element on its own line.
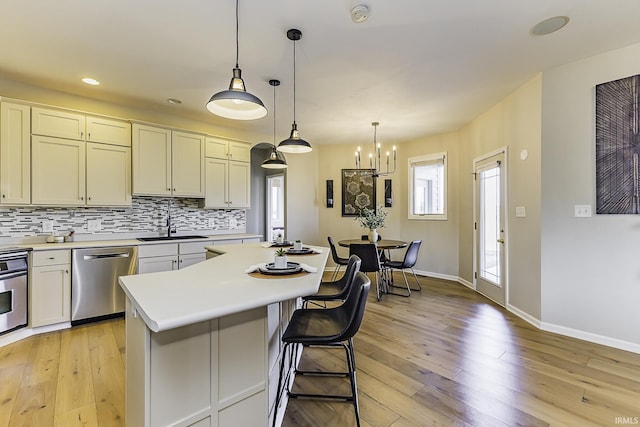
<point x="582" y="211"/>
<point x="47" y="226"/>
<point x="94" y="225"/>
<point x="233" y="223"/>
<point x="212" y="223"/>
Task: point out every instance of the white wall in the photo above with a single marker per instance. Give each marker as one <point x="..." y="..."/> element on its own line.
<point x="590" y="266"/>
<point x="515" y="123"/>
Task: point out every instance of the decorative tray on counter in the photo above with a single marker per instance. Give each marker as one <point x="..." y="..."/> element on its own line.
<point x="303" y="251"/>
<point x="281" y="245"/>
<point x="292" y="268"/>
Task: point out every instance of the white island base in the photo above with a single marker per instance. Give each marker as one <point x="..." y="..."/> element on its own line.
<point x="203" y="343"/>
<point x="170" y="374"/>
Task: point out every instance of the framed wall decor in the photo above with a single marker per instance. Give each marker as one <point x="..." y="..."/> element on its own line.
<point x="617" y="148"/>
<point x="358" y="191"/>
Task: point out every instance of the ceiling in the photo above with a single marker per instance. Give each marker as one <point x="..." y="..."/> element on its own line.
<point x="419" y="67"/>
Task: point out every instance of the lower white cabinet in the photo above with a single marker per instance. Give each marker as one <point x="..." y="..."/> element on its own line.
<point x="170" y="256"/>
<point x="50" y="287"/>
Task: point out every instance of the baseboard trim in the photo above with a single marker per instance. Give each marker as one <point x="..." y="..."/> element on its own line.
<point x="591" y="337"/>
<point x="23" y="333"/>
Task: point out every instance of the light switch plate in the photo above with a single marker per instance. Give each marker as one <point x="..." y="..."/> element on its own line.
<point x="94" y="225"/>
<point x="521" y="212"/>
<point x="582" y="211"/>
<point x="47" y="226"/>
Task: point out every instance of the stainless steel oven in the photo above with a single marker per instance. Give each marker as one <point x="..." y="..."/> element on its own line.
<point x="13" y="289"/>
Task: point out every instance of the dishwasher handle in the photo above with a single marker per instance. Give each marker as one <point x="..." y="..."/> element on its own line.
<point x="111" y="255"/>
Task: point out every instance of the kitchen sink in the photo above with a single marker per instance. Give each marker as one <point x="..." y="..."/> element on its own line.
<point x="168" y="238"/>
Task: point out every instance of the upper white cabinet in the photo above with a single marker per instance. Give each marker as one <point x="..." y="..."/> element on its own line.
<point x="108" y="131"/>
<point x="228" y="149"/>
<point x="187" y="161"/>
<point x="167" y="163"/>
<point x="67" y="171"/>
<point x="228" y="174"/>
<point x="15" y="154"/>
<point x="58" y="171"/>
<point x="108" y="175"/>
<point x="57" y="123"/>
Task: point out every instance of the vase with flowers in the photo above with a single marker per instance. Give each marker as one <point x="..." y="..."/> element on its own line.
<point x="373" y="219"/>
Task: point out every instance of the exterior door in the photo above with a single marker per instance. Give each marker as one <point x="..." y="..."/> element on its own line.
<point x="490" y="226"/>
<point x="275" y="206"/>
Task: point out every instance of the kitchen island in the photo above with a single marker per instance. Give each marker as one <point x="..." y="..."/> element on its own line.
<point x="202" y="341"/>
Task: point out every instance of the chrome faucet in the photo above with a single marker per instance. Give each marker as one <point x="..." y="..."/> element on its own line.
<point x="170" y="227"/>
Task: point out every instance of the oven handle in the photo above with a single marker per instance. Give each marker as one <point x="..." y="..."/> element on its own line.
<point x="100" y="256"/>
<point x="13" y="275"/>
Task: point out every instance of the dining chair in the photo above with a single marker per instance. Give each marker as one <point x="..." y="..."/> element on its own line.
<point x="338" y="260"/>
<point x="335" y="290"/>
<point x="409" y="261"/>
<point x="333" y="327"/>
<point x="370" y="257"/>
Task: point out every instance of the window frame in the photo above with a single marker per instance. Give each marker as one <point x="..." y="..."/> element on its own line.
<point x="418" y="161"/>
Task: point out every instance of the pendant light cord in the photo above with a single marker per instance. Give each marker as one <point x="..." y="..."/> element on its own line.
<point x="274" y="117"/>
<point x="294" y="81"/>
<point x="237" y="31"/>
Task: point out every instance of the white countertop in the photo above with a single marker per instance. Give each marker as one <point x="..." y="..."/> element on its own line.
<point x="217" y="287"/>
<point x="130" y="242"/>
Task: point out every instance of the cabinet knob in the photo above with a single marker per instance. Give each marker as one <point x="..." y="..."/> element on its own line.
<point x="168" y="189"/>
<point x="66" y="271"/>
<point x="174" y="189"/>
<point x="3" y="196"/>
<point x="88" y="135"/>
<point x="88" y="198"/>
<point x="81" y="135"/>
<point x="81" y="197"/>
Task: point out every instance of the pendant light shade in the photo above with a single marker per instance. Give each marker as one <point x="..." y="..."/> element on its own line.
<point x="236" y="103"/>
<point x="274" y="161"/>
<point x="294" y="144"/>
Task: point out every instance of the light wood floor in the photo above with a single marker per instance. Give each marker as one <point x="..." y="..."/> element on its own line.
<point x="444" y="357"/>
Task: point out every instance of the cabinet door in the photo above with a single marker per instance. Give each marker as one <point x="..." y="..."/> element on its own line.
<point x="239" y="184"/>
<point x="50" y="295"/>
<point x="187" y="260"/>
<point x="187" y="164"/>
<point x="239" y="151"/>
<point x="217" y="184"/>
<point x="151" y="167"/>
<point x="57" y="123"/>
<point x="216" y="147"/>
<point x="108" y="175"/>
<point x="15" y="154"/>
<point x="157" y="264"/>
<point x="108" y="131"/>
<point x="58" y="171"/>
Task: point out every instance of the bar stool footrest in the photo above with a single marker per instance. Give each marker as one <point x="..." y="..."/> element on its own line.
<point x="322" y="373"/>
<point x="320" y="396"/>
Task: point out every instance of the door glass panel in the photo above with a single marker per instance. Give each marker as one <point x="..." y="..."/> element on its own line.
<point x="5" y="302"/>
<point x="490" y="246"/>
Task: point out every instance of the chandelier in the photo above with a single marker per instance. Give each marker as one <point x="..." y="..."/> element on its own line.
<point x="375" y="159"/>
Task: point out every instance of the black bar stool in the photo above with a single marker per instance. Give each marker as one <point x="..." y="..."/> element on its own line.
<point x="329" y="327"/>
<point x="336" y="290"/>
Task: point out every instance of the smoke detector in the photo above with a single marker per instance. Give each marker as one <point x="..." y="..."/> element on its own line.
<point x="359" y="13"/>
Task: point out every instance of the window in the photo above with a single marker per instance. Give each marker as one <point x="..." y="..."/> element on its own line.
<point x="428" y="187"/>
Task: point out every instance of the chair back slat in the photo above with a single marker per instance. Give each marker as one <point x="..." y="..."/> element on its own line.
<point x="368" y="253"/>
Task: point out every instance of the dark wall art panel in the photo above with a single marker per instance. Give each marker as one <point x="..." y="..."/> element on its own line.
<point x="618" y="146"/>
<point x="358" y="191"/>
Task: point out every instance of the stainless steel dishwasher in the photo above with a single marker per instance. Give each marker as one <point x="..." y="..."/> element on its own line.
<point x="95" y="292"/>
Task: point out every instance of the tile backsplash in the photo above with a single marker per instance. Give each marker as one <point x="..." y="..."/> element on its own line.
<point x="146" y="215"/>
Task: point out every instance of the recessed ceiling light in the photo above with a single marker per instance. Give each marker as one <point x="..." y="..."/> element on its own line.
<point x="174" y="101"/>
<point x="90" y="81"/>
<point x="549" y="26"/>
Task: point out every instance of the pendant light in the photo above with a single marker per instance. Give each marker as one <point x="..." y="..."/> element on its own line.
<point x="274" y="161"/>
<point x="236" y="103"/>
<point x="294" y="144"/>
